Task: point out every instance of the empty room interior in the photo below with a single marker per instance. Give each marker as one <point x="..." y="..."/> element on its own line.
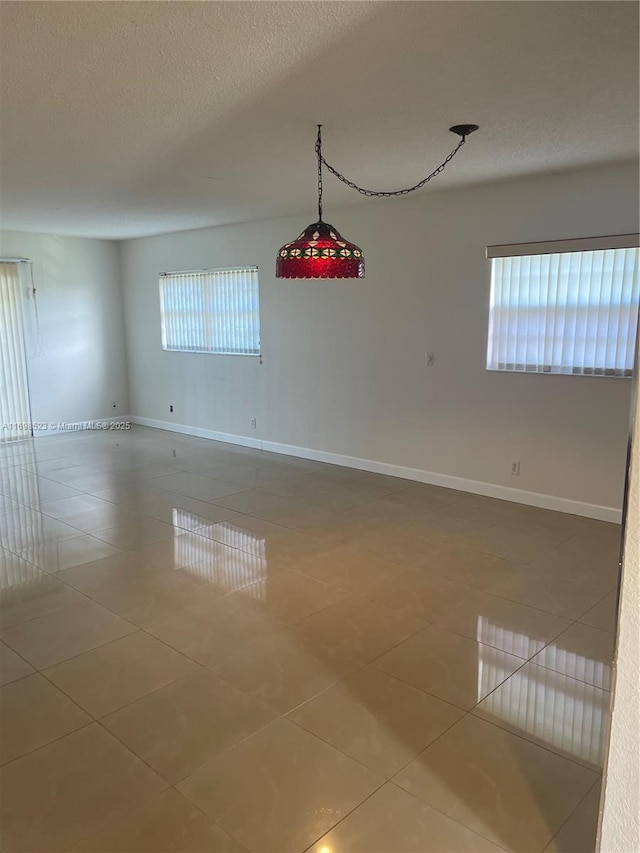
<point x="319" y="475"/>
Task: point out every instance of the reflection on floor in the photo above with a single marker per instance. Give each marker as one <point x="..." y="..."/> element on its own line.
<point x="211" y="648"/>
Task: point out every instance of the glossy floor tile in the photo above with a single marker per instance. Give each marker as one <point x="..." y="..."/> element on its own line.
<point x="376" y="719"/>
<point x="54" y="796"/>
<point x="210" y="633"/>
<point x="289" y="597"/>
<point x="420" y="597"/>
<point x="359" y="628"/>
<point x="503" y="624"/>
<point x="153" y="599"/>
<point x="392" y="820"/>
<point x="346" y="566"/>
<point x="594" y="566"/>
<point x="281" y="789"/>
<point x="166" y="823"/>
<point x="129" y="668"/>
<point x="207" y="647"/>
<point x="67" y="632"/>
<point x="32" y="713"/>
<point x="178" y="728"/>
<point x="284" y="670"/>
<point x="501" y="541"/>
<point x="36" y="594"/>
<point x="12" y="666"/>
<point x="67" y="553"/>
<point x="554" y="594"/>
<point x="580" y="652"/>
<point x="457" y="669"/>
<point x="580" y="830"/>
<point x="604" y="614"/>
<point x="459" y="564"/>
<point x="504" y="788"/>
<point x="560" y="713"/>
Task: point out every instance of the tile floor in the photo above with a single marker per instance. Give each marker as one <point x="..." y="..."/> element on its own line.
<point x="207" y="648"/>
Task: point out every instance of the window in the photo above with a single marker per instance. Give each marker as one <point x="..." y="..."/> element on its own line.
<point x="15" y="414"/>
<point x="215" y="311"/>
<point x="561" y="308"/>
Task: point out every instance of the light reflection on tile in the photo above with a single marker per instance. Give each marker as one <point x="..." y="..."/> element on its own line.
<point x="560" y="713"/>
<point x="70" y="552"/>
<point x="28" y="529"/>
<point x="288" y="596"/>
<point x="262" y="580"/>
<point x="581" y="652"/>
<point x="221" y="566"/>
<point x="35" y="594"/>
<point x="15" y="570"/>
<point x="64" y="633"/>
<point x="504" y="624"/>
<point x="393" y="820"/>
<point x="450" y="666"/>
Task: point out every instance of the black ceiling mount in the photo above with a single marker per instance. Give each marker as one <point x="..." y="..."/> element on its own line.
<point x="464" y="129"/>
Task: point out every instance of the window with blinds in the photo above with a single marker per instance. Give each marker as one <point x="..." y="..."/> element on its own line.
<point x="214" y="311"/>
<point x="15" y="415"/>
<point x="573" y="311"/>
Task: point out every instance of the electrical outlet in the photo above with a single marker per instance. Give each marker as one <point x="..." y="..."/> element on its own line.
<point x="171" y="407"/>
<point x="254" y="423"/>
<point x="515" y="469"/>
<point x="431" y="359"/>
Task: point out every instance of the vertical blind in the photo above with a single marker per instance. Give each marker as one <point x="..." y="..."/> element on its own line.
<point x="14" y="394"/>
<point x="570" y="312"/>
<point x="215" y="311"/>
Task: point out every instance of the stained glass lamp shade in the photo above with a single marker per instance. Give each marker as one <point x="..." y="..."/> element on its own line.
<point x="320" y="252"/>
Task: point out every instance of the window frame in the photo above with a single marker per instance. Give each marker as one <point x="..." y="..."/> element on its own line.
<point x="253" y="268"/>
<point x="554" y="247"/>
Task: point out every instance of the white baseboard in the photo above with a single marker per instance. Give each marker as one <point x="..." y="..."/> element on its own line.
<point x="229" y="438"/>
<point x="64" y="428"/>
<point x="476" y="487"/>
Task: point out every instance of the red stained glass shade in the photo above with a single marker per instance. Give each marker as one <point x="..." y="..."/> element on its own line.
<point x="320" y="252"/>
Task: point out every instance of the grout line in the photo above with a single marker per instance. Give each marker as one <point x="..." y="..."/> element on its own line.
<point x="597" y="782"/>
<point x="288" y="627"/>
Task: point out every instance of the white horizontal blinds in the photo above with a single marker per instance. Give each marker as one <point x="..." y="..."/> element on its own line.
<point x="213" y="311"/>
<point x="565" y="312"/>
<point x="14" y="395"/>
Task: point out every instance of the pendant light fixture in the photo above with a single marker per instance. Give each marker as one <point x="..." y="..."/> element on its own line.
<point x="320" y="251"/>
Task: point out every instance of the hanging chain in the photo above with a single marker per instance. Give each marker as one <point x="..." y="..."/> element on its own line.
<point x="374" y="193"/>
<point x="319" y="153"/>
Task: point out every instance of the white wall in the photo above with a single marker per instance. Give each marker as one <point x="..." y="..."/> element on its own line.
<point x="620" y="825"/>
<point x="344" y="361"/>
<point x="78" y="367"/>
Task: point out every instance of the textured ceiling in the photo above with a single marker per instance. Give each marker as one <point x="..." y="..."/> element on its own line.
<point x="122" y="119"/>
